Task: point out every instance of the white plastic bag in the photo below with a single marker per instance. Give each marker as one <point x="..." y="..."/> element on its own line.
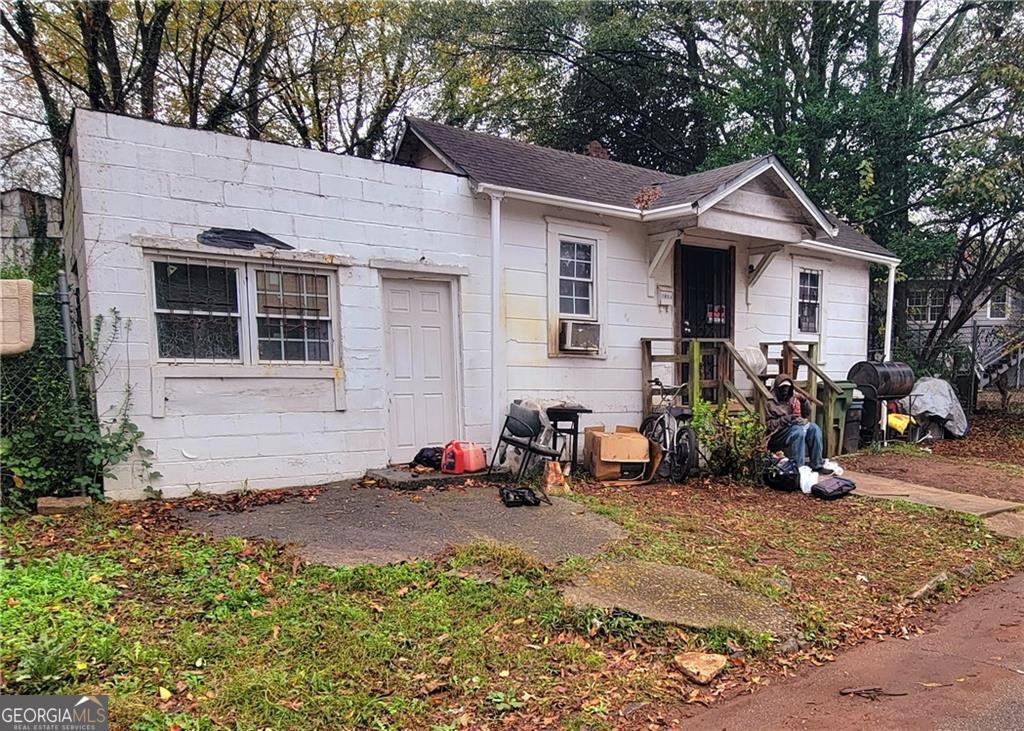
<point x="834" y="466"/>
<point x="808" y="479"/>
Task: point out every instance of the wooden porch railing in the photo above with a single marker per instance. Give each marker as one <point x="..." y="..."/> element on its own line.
<point x="712" y="362"/>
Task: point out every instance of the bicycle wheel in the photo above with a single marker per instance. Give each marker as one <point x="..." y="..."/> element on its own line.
<point x="653" y="427"/>
<point x="684" y="455"/>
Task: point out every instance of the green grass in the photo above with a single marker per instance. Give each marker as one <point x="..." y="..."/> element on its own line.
<point x="180" y="629"/>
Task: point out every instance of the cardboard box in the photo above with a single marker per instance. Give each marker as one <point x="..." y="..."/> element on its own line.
<point x="622" y="454"/>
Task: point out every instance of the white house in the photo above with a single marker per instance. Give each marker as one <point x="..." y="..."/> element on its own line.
<point x="420" y="296"/>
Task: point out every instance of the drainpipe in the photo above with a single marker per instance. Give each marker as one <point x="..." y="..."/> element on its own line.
<point x="889" y="297"/>
<point x="498" y="374"/>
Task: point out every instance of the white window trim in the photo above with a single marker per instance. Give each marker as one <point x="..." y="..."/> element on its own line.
<point x="928" y="306"/>
<point x="249" y="365"/>
<point x="796" y="334"/>
<point x="597" y="235"/>
<point x="1006" y="310"/>
<point x="592" y="317"/>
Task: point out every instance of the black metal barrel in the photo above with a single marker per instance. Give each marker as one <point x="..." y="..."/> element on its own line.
<point x="885" y="381"/>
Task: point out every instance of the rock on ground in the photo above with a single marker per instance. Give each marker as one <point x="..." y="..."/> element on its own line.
<point x="61" y="505"/>
<point x="701" y="667"/>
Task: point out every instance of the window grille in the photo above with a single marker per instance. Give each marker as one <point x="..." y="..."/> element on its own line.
<point x="197" y="312"/>
<point x="293" y="316"/>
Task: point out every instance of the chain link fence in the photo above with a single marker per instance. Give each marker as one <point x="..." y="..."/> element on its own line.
<point x="37" y="380"/>
<point x="38" y="394"/>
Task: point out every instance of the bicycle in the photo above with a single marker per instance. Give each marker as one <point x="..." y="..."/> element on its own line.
<point x="669" y="428"/>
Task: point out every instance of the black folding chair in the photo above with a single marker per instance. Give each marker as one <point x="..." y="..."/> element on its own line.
<point x="522" y="430"/>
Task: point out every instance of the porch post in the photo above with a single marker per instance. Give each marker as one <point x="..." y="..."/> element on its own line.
<point x="498" y="375"/>
<point x="889" y="297"/>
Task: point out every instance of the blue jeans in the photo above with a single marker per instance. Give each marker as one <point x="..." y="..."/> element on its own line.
<point x="796" y="440"/>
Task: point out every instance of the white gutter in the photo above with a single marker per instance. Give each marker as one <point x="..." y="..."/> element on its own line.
<point x="889" y="299"/>
<point x="558" y="200"/>
<point x="498" y="341"/>
<point x="850" y="253"/>
<point x="656" y="215"/>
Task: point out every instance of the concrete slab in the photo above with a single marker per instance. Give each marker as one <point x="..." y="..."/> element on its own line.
<point x="348" y="525"/>
<point x="679" y="596"/>
<point x="1010" y="525"/>
<point x="890" y="489"/>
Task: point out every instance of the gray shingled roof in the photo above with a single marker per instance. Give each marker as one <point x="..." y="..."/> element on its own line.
<point x="509" y="163"/>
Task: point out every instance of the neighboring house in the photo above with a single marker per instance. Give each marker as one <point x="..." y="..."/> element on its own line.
<point x="422" y="295"/>
<point x="994" y="335"/>
<point x="27" y="220"/>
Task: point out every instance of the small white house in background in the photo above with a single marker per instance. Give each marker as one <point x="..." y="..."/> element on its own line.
<point x="419" y="297"/>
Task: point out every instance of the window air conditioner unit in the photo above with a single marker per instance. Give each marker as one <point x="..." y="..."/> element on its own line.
<point x="580" y="337"/>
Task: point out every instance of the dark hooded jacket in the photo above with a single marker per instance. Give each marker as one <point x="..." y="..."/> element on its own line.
<point x="783" y="412"/>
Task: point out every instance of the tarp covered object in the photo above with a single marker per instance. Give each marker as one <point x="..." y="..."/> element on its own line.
<point x="935" y="398"/>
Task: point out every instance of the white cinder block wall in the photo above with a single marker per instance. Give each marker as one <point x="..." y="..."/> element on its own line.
<point x="128" y="179"/>
<point x="137" y="178"/>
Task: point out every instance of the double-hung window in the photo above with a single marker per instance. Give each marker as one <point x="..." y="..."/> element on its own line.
<point x="576" y="276"/>
<point x="926" y="305"/>
<point x="218" y="311"/>
<point x="999" y="304"/>
<point x="809" y="302"/>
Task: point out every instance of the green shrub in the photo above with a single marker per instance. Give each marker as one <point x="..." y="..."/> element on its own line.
<point x="731" y="444"/>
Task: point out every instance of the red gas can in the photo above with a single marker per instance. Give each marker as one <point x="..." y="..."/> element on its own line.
<point x="460" y="457"/>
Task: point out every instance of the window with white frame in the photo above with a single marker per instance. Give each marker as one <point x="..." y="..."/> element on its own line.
<point x="926" y="305"/>
<point x="576" y="267"/>
<point x="218" y="311"/>
<point x="999" y="304"/>
<point x="809" y="301"/>
<point x="293" y="316"/>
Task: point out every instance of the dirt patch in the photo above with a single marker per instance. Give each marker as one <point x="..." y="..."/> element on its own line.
<point x="943" y="473"/>
<point x="998" y="437"/>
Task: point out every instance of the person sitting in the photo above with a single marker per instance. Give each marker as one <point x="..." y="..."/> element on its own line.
<point x="789" y="431"/>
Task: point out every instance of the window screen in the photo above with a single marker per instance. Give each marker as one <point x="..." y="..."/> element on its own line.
<point x="809" y="304"/>
<point x="576" y="279"/>
<point x="293" y="316"/>
<point x="197" y="314"/>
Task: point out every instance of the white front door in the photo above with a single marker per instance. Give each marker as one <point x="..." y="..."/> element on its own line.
<point x="420" y="346"/>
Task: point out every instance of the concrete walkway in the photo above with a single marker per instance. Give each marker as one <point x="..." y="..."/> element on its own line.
<point x="885" y="487"/>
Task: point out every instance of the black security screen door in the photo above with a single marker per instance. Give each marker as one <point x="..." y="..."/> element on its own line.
<point x="706" y="291"/>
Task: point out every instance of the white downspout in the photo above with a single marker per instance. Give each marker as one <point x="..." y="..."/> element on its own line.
<point x="889" y="298"/>
<point x="498" y="374"/>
